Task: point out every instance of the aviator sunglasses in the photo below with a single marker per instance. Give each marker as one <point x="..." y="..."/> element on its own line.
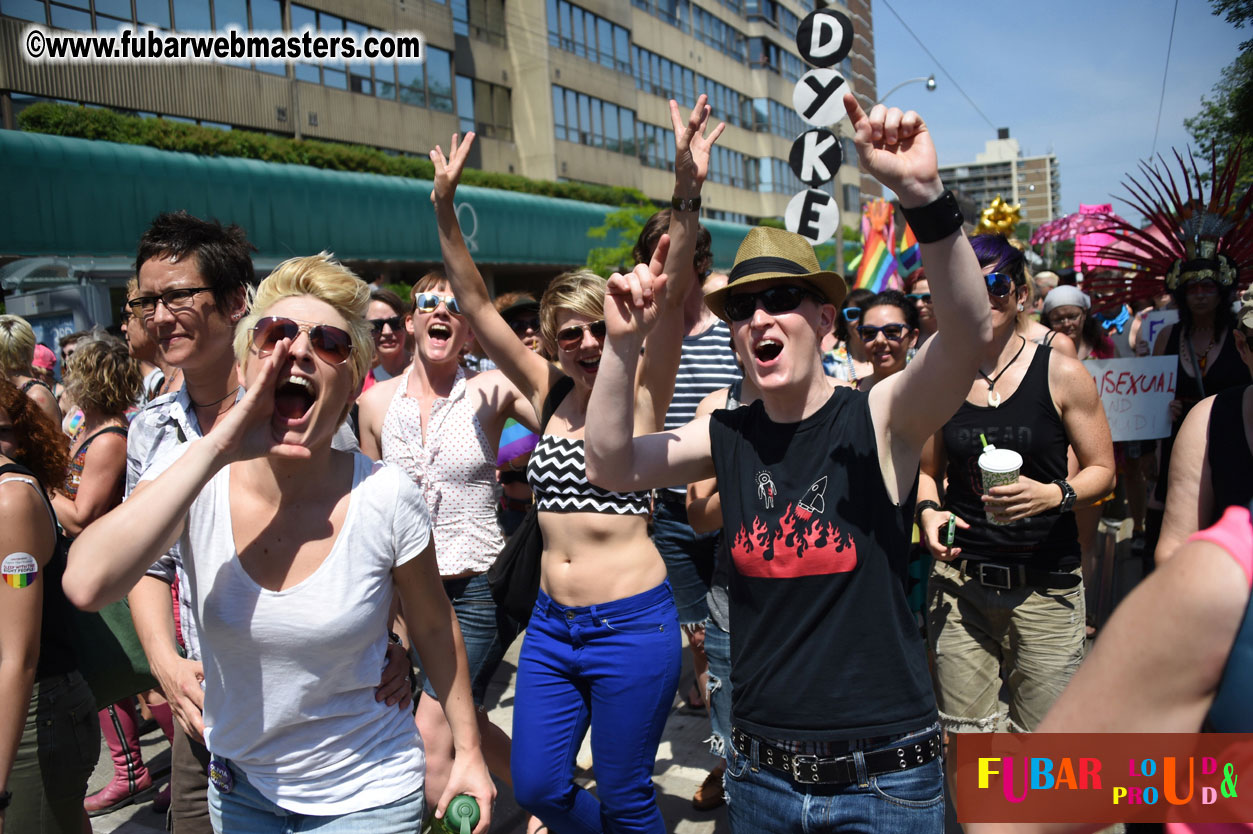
<point x="775" y="300"/>
<point x="426" y="302"/>
<point x="999" y="283"/>
<point x="569" y="338"/>
<point x="331" y="344"/>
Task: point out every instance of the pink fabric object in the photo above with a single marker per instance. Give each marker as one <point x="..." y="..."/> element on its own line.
<point x="1088" y="244"/>
<point x="44" y="358"/>
<point x="1234" y="534"/>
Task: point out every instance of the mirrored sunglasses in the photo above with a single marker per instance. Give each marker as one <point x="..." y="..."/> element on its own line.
<point x="426" y="302"/>
<point x="999" y="284"/>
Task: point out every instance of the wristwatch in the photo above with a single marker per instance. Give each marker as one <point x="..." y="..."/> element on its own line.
<point x="685" y="203"/>
<point x="1068" y="495"/>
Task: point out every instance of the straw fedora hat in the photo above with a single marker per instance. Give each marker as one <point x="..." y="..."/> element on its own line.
<point x="767" y="254"/>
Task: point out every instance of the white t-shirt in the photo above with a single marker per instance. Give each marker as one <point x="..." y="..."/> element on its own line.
<point x="290" y="675"/>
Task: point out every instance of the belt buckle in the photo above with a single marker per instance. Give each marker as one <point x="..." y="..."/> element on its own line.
<point x="799" y="761"/>
<point x="988" y="576"/>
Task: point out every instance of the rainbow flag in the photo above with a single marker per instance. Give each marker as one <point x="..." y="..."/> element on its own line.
<point x="877" y="268"/>
<point x="909" y="256"/>
<point x="515" y="439"/>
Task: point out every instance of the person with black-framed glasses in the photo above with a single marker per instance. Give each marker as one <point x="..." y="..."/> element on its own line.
<point x="888" y="330"/>
<point x="389" y="324"/>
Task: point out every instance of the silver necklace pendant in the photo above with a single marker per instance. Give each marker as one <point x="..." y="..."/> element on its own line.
<point x="994" y="399"/>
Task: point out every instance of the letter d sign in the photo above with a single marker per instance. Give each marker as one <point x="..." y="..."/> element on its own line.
<point x="824" y="37"/>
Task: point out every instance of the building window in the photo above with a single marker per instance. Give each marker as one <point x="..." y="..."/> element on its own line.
<point x="589" y="36"/>
<point x="580" y="118"/>
<point x="662" y="77"/>
<point x="484" y="108"/>
<point x="852" y="199"/>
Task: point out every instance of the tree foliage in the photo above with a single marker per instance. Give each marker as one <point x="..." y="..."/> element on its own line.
<point x="1225" y="120"/>
<point x="621" y="229"/>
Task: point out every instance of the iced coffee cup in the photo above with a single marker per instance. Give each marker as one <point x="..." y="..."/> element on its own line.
<point x="998" y="467"/>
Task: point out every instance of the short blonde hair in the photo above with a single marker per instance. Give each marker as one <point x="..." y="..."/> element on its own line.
<point x="102" y="376"/>
<point x="579" y="291"/>
<point x="17" y="345"/>
<point x="326" y="279"/>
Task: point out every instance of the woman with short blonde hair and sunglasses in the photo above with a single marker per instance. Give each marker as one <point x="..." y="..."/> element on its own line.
<point x="292" y="550"/>
<point x="602" y="645"/>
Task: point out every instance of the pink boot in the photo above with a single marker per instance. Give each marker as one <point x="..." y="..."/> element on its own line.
<point x="131" y="781"/>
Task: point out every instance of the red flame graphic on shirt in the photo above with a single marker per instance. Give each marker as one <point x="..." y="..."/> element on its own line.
<point x="799" y="547"/>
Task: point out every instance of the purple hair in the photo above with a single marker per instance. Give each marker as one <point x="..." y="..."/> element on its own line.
<point x="996" y="251"/>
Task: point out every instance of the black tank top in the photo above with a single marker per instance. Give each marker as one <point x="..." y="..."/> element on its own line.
<point x="1226" y="371"/>
<point x="1027" y="422"/>
<point x="56" y="630"/>
<point x="1230" y="460"/>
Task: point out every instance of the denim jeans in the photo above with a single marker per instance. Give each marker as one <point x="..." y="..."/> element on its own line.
<point x="245" y="811"/>
<point x="613" y="667"/>
<point x="486" y="630"/>
<point x="764" y="801"/>
<point x="57" y="751"/>
<point x="718" y="651"/>
<point x="689" y="558"/>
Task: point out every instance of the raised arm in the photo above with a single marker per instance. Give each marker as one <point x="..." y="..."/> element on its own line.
<point x="616" y="460"/>
<point x="665" y="343"/>
<point x="896" y="149"/>
<point x="529" y="371"/>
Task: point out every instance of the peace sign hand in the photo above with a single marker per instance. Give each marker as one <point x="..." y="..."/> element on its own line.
<point x="692" y="146"/>
<point x="895" y="148"/>
<point x="448" y="168"/>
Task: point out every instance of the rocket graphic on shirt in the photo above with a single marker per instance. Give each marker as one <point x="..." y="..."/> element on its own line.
<point x="800" y="541"/>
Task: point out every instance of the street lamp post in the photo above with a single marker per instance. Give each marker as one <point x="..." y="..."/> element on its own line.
<point x="929" y="80"/>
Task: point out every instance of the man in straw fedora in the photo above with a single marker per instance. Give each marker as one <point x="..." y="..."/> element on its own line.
<point x="834" y="720"/>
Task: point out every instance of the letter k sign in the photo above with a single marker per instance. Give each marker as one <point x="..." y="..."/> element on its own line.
<point x="815" y="157"/>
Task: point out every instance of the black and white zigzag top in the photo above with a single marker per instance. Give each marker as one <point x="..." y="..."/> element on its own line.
<point x="557" y="473"/>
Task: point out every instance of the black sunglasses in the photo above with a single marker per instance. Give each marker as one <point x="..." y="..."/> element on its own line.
<point x="851" y="314"/>
<point x="520" y="326"/>
<point x="924" y="297"/>
<point x="999" y="283"/>
<point x="779" y="299"/>
<point x="331" y="344"/>
<point x="891" y="332"/>
<point x="569" y="338"/>
<point x="427" y="302"/>
<point x="394" y="322"/>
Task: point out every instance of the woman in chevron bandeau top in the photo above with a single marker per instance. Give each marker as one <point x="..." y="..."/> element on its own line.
<point x="602" y="648"/>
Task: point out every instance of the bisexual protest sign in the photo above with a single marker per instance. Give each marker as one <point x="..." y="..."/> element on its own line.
<point x="1136" y="394"/>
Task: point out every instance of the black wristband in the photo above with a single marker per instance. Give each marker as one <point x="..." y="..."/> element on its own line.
<point x="936" y="220"/>
<point x="924" y="505"/>
<point x="685" y="203"/>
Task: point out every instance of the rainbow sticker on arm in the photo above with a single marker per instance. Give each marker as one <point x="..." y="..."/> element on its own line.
<point x="19" y="570"/>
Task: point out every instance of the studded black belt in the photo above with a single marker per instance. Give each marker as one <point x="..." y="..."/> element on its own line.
<point x="835" y="770"/>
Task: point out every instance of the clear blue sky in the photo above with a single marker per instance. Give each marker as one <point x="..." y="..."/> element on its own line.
<point x="1080" y="79"/>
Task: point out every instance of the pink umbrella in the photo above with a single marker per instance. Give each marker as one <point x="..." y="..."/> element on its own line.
<point x="1088" y="220"/>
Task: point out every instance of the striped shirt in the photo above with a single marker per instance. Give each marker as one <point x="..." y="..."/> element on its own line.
<point x="706" y="364"/>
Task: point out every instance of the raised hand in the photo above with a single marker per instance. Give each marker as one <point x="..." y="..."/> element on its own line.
<point x="895" y="148"/>
<point x="246" y="431"/>
<point x="692" y="147"/>
<point x="448" y="168"/>
<point x="633" y="301"/>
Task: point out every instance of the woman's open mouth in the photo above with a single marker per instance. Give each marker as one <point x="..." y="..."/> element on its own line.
<point x="590" y="365"/>
<point x="767" y="350"/>
<point x="293" y="397"/>
<point x="439" y="333"/>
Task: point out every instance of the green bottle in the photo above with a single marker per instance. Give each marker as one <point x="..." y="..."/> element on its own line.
<point x="461" y="815"/>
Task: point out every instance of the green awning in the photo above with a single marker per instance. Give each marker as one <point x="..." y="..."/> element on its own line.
<point x="77" y="197"/>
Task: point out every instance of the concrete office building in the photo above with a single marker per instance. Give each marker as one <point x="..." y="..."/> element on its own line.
<point x="557" y="90"/>
<point x="1002" y="169"/>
